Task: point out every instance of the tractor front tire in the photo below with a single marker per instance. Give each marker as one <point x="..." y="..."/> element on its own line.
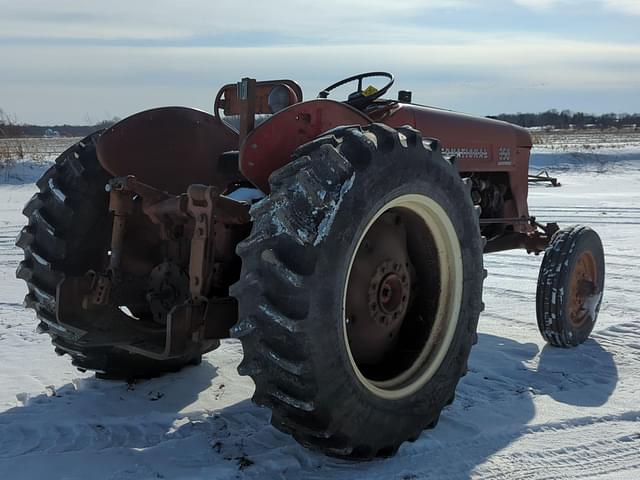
<point x="68" y="233"/>
<point x="360" y="290"/>
<point x="570" y="286"/>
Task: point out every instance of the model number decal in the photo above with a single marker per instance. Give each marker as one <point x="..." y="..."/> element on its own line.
<point x="478" y="153"/>
<point x="504" y="156"/>
<point x="460" y="152"/>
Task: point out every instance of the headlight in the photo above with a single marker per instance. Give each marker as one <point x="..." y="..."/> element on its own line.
<point x="279" y="98"/>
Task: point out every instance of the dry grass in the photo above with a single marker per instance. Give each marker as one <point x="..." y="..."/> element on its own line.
<point x="36" y="150"/>
<point x="13" y="150"/>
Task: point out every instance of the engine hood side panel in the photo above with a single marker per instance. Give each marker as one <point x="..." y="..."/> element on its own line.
<point x="479" y="144"/>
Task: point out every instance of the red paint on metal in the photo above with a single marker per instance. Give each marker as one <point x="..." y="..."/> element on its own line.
<point x="168" y="148"/>
<point x="269" y="146"/>
<point x="227" y="97"/>
<point x="481" y="144"/>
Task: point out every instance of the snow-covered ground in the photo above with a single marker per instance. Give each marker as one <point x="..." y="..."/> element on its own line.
<point x="562" y="148"/>
<point x="524" y="410"/>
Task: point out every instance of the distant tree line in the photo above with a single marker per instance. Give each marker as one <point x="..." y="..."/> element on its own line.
<point x="9" y="128"/>
<point x="568" y="119"/>
<point x="62" y="130"/>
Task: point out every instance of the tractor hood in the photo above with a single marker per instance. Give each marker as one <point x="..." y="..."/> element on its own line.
<point x="453" y="128"/>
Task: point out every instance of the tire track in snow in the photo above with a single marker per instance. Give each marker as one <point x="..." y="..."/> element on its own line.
<point x="19" y="439"/>
<point x="615" y="271"/>
<point x="504" y="261"/>
<point x="625" y="336"/>
<point x="573" y="453"/>
<point x="490" y="314"/>
<point x="513" y="276"/>
<point x="521" y="294"/>
<point x="591" y="220"/>
<point x="556" y="450"/>
<point x="10" y="255"/>
<point x="587" y="209"/>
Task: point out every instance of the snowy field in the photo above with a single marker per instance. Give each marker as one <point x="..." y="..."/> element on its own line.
<point x="586" y="140"/>
<point x="524" y="410"/>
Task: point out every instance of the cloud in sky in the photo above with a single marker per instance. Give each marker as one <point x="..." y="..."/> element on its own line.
<point x="631" y="7"/>
<point x="71" y="60"/>
<point x="537" y="4"/>
<point x="167" y="19"/>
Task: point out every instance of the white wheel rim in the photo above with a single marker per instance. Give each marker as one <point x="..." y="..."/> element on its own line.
<point x="435" y="349"/>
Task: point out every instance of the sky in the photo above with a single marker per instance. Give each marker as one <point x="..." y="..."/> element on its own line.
<point x="78" y="62"/>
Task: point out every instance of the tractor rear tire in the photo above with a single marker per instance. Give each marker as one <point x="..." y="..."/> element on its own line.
<point x="570" y="286"/>
<point x="68" y="233"/>
<point x="368" y="213"/>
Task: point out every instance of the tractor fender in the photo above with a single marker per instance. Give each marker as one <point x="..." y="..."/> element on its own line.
<point x="270" y="146"/>
<point x="169" y="148"/>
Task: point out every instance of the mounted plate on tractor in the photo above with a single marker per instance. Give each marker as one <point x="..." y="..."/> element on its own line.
<point x="341" y="241"/>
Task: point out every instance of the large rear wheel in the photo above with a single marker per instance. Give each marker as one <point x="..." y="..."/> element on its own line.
<point x="360" y="290"/>
<point x="68" y="234"/>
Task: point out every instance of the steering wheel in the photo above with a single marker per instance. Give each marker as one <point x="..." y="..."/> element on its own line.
<point x="360" y="98"/>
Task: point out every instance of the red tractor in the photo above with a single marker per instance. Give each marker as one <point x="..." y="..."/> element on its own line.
<point x="341" y="241"/>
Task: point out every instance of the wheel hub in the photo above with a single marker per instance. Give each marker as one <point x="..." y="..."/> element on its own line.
<point x="389" y="293"/>
<point x="583" y="287"/>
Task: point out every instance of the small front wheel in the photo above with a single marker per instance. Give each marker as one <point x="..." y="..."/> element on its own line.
<point x="570" y="286"/>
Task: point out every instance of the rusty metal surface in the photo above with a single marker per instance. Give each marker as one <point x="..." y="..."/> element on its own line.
<point x="106" y="324"/>
<point x="544" y="177"/>
<point x="246" y="107"/>
<point x="228" y="100"/>
<point x="169" y="148"/>
<point x="170" y="287"/>
<point x="270" y="145"/>
<point x="209" y="222"/>
<point x="378" y="291"/>
<point x="122" y="206"/>
<point x="582" y="287"/>
<point x="211" y="244"/>
<point x="200" y="205"/>
<point x="479" y="144"/>
<point x="532" y="242"/>
<point x="144" y="223"/>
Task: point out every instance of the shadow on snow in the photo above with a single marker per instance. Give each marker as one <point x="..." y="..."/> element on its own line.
<point x="493" y="408"/>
